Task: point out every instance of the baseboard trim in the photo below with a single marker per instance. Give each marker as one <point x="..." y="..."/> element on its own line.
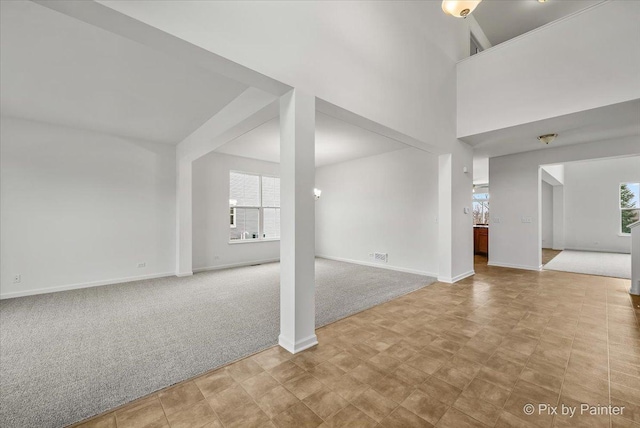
<point x="298" y="346"/>
<point x="512" y="266"/>
<point x="457" y="277"/>
<point x="183" y="274"/>
<point x="13" y="294"/>
<point x="234" y="265"/>
<point x="596" y="250"/>
<point x="376" y="265"/>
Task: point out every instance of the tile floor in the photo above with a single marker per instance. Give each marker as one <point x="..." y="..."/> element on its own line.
<point x="548" y="255"/>
<point x="468" y="355"/>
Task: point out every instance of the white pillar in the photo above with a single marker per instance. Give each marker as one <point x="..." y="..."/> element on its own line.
<point x="183" y="218"/>
<point x="635" y="258"/>
<point x="455" y="218"/>
<point x="297" y="221"/>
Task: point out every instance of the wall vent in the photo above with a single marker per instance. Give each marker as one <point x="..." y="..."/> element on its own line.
<point x="380" y="257"/>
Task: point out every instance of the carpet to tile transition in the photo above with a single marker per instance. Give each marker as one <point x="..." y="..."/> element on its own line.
<point x="70" y="355"/>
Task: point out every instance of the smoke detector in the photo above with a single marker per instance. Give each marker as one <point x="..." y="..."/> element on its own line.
<point x="547" y="138"/>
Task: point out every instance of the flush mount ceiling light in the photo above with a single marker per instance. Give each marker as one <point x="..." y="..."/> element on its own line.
<point x="459" y="9"/>
<point x="547" y="138"/>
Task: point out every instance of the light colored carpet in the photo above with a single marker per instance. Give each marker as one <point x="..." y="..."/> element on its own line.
<point x="70" y="355"/>
<point x="592" y="263"/>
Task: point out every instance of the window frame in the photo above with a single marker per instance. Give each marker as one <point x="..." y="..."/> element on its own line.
<point x="484" y="203"/>
<point x="620" y="208"/>
<point x="260" y="208"/>
<point x="233" y="215"/>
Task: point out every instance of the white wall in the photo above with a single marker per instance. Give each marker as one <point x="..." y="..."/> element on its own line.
<point x="462" y="222"/>
<point x="558" y="218"/>
<point x="385" y="203"/>
<point x="211" y="247"/>
<point x="80" y="208"/>
<point x="592" y="200"/>
<point x="455" y="234"/>
<point x="547" y="215"/>
<point x="544" y="73"/>
<point x="515" y="193"/>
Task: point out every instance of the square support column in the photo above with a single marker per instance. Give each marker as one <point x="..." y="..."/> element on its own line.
<point x="455" y="215"/>
<point x="297" y="221"/>
<point x="184" y="218"/>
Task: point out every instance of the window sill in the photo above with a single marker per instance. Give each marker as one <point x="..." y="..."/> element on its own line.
<point x="252" y="241"/>
<point x="624" y="234"/>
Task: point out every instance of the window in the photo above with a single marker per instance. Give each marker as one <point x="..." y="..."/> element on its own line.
<point x="232" y="214"/>
<point x="254" y="207"/>
<point x="629" y="205"/>
<point x="481" y="207"/>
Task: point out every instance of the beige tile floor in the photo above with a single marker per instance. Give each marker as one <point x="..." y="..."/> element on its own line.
<point x="548" y="255"/>
<point x="471" y="354"/>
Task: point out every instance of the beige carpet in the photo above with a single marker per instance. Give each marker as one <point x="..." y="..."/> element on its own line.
<point x="592" y="263"/>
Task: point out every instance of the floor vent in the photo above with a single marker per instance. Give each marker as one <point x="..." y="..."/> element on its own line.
<point x="380" y="257"/>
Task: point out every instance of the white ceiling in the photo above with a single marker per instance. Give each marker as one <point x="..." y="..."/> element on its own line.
<point x="60" y="70"/>
<point x="336" y="141"/>
<point x="603" y="123"/>
<point x="502" y="20"/>
<point x="600" y="124"/>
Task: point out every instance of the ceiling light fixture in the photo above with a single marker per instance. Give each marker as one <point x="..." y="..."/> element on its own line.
<point x="542" y="1"/>
<point x="459" y="9"/>
<point x="547" y="138"/>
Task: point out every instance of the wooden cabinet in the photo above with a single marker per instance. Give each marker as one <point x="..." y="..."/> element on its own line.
<point x="481" y="240"/>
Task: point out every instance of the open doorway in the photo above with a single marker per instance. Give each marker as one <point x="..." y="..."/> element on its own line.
<point x="481" y="220"/>
<point x="480" y="210"/>
<point x="586" y="209"/>
<point x="552" y="211"/>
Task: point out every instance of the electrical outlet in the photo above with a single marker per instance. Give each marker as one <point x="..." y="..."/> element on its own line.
<point x="142" y="264"/>
<point x="17" y="279"/>
<point x="496" y="219"/>
<point x="526" y="219"/>
<point x="216" y="257"/>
